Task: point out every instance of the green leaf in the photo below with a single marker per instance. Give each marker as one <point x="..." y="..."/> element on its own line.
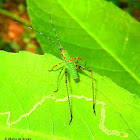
<point x="96" y="30"/>
<point x="30" y="108"/>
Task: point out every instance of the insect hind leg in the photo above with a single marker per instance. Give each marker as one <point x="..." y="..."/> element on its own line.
<point x="66" y="77"/>
<point x="81" y="67"/>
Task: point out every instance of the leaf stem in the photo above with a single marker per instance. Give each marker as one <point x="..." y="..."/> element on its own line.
<point x="15" y="17"/>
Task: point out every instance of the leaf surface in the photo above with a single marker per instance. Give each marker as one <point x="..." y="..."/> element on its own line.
<point x="30" y="108"/>
<point x="96" y="30"/>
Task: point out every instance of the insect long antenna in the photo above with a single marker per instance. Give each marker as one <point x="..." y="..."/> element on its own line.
<point x="54" y="30"/>
<point x="41" y="34"/>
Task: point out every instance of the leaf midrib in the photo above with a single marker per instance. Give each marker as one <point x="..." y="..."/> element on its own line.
<point x="107" y="50"/>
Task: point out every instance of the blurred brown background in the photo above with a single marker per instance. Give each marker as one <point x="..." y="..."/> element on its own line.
<point x="15" y="37"/>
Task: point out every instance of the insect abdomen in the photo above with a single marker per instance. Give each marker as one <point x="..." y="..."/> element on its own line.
<point x="72" y="70"/>
<point x="70" y="65"/>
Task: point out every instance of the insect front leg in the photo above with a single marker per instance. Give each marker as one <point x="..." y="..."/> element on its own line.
<point x="80" y="67"/>
<point x="66" y="77"/>
<point x="56" y="66"/>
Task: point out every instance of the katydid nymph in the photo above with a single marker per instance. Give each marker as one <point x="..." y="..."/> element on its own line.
<point x="70" y="67"/>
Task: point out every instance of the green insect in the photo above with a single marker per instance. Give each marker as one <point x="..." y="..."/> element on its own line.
<point x="70" y="66"/>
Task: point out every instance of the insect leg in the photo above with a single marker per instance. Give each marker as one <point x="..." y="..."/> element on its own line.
<point x="80" y="67"/>
<point x="79" y="58"/>
<point x="58" y="79"/>
<point x="68" y="96"/>
<point x="56" y="65"/>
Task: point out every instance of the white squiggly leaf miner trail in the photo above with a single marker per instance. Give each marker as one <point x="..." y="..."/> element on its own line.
<point x="102" y="120"/>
